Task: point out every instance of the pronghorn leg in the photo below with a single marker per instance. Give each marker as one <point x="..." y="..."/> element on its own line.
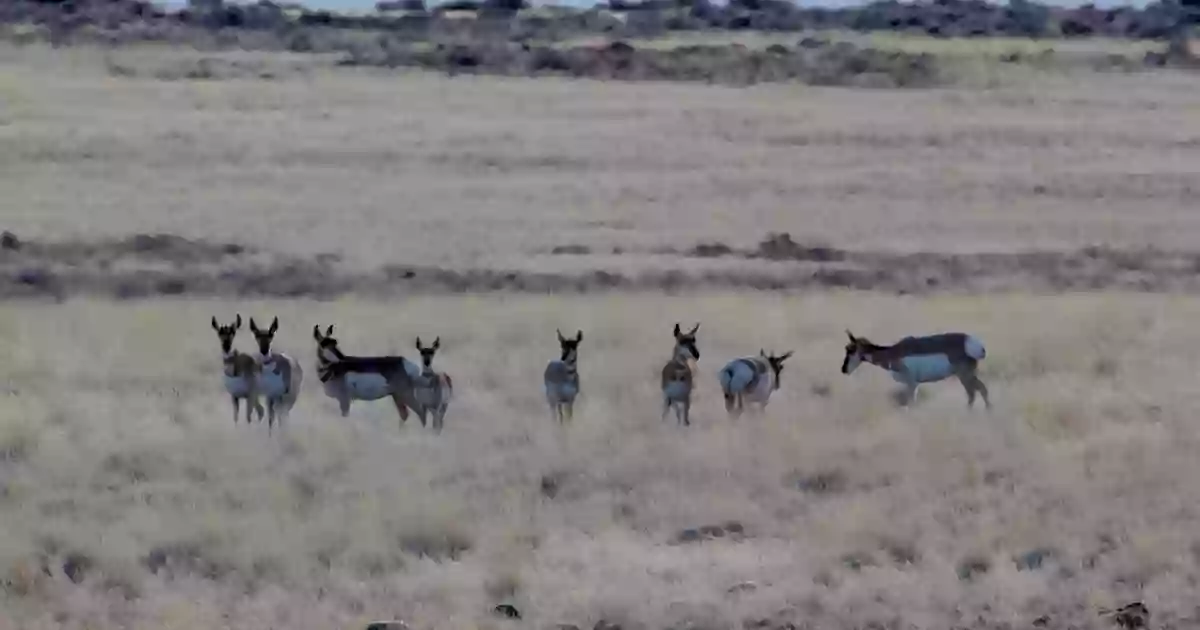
<point x="399" y="402"/>
<point x="235" y="409"/>
<point x="666" y="407"/>
<point x="687" y="412"/>
<point x="730" y="402"/>
<point x="344" y="405"/>
<point x="982" y="389"/>
<point x="968" y="383"/>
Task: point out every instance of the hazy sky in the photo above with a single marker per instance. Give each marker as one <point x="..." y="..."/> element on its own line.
<point x="369" y="4"/>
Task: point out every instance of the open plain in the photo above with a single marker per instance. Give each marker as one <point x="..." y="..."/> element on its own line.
<point x="1053" y="214"/>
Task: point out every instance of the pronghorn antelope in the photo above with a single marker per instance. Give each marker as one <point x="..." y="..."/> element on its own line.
<point x="279" y="374"/>
<point x="562" y="378"/>
<point x="433" y="389"/>
<point x="916" y="360"/>
<point x="678" y="376"/>
<point x="348" y="378"/>
<point x="241" y="371"/>
<point x="750" y="380"/>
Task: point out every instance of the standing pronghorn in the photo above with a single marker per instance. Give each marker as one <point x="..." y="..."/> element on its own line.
<point x="916" y="360"/>
<point x="347" y="378"/>
<point x="561" y="378"/>
<point x="241" y="371"/>
<point x="678" y="376"/>
<point x="433" y="389"/>
<point x="279" y="374"/>
<point x="750" y="380"/>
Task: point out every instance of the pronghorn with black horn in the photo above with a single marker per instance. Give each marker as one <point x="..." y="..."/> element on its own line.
<point x="279" y="374"/>
<point x="750" y="380"/>
<point x="916" y="360"/>
<point x="561" y="378"/>
<point x="433" y="389"/>
<point x="678" y="376"/>
<point x="240" y="370"/>
<point x="348" y="378"/>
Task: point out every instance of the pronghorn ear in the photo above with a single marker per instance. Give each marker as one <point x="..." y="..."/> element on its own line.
<point x="317" y="332"/>
<point x="214" y="323"/>
<point x="694" y="329"/>
<point x="677" y="331"/>
<point x="418" y="343"/>
<point x="237" y="325"/>
<point x="851" y="336"/>
<point x="561" y="339"/>
<point x="578" y="336"/>
<point x="274" y="325"/>
<point x="253" y="327"/>
<point x="437" y="342"/>
<point x="785" y="357"/>
<point x="329" y="331"/>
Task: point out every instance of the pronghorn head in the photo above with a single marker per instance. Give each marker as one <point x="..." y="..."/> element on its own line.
<point x="227" y="333"/>
<point x="685" y="344"/>
<point x="776" y="363"/>
<point x="570" y="347"/>
<point x="857" y="351"/>
<point x="327" y="346"/>
<point x="427" y="352"/>
<point x="264" y="337"/>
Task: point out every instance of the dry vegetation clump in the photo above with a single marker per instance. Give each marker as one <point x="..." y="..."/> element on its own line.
<point x="132" y="501"/>
<point x="825" y="63"/>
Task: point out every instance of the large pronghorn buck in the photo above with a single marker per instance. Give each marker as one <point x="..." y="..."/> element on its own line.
<point x="751" y="380"/>
<point x="279" y="374"/>
<point x="240" y="370"/>
<point x="678" y="376"/>
<point x="562" y="378"/>
<point x="916" y="360"/>
<point x="433" y="388"/>
<point x="348" y="378"/>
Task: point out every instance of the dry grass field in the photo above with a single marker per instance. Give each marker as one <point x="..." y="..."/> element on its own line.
<point x="129" y="499"/>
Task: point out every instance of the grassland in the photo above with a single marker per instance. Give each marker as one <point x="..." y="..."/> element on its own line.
<point x="129" y="499"/>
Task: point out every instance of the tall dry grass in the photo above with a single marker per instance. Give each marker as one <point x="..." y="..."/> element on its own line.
<point x="128" y="498"/>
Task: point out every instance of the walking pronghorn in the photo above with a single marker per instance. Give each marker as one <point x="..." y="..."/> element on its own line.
<point x="348" y="378"/>
<point x="433" y="389"/>
<point x="916" y="360"/>
<point x="279" y="374"/>
<point x="562" y="378"/>
<point x="678" y="376"/>
<point x="750" y="380"/>
<point x="241" y="371"/>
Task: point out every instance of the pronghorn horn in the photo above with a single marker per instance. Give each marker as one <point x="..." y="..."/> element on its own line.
<point x="437" y="342"/>
<point x="238" y="324"/>
<point x="561" y="339"/>
<point x="762" y="353"/>
<point x="677" y="329"/>
<point x="418" y="343"/>
<point x="784" y="357"/>
<point x="850" y="335"/>
<point x="274" y="325"/>
<point x="317" y="332"/>
<point x="329" y="331"/>
<point x="253" y="327"/>
<point x="214" y="323"/>
<point x="694" y="329"/>
<point x="578" y="336"/>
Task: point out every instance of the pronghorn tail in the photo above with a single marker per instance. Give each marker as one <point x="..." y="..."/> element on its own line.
<point x="974" y="348"/>
<point x="725" y="376"/>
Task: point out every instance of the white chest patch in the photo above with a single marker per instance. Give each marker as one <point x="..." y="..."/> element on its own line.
<point x="271" y="380"/>
<point x="236" y="385"/>
<point x="367" y="386"/>
<point x="924" y="368"/>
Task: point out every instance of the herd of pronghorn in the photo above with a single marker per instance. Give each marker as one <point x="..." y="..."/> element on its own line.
<point x="744" y="381"/>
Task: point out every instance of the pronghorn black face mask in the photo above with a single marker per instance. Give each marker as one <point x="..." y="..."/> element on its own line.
<point x="775" y="362"/>
<point x="227" y="333"/>
<point x="569" y="346"/>
<point x="427" y="352"/>
<point x="264" y="337"/>
<point x="688" y="341"/>
<point x="327" y="346"/>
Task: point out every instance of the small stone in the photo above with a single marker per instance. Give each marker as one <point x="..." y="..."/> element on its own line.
<point x="507" y="610"/>
<point x="395" y="624"/>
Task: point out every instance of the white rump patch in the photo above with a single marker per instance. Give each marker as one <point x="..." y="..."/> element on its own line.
<point x="974" y="348"/>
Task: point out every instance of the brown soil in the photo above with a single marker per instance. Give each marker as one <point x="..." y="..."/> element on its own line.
<point x="144" y="266"/>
